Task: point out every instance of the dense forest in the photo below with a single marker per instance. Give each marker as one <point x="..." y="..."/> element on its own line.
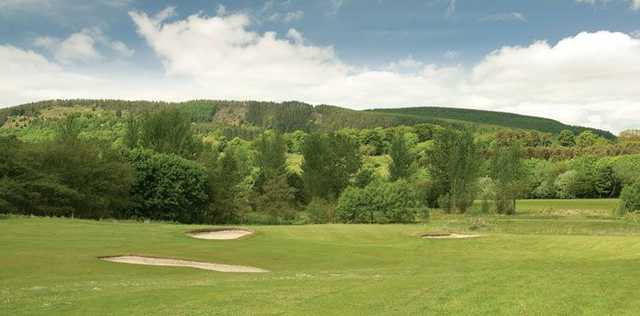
<point x="493" y="118"/>
<point x="276" y="163"/>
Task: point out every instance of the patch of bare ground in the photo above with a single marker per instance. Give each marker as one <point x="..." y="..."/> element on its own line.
<point x="220" y="233"/>
<point x="448" y="236"/>
<point x="170" y="262"/>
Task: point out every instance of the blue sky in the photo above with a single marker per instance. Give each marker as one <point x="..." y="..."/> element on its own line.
<point x="570" y="58"/>
<point x="362" y="31"/>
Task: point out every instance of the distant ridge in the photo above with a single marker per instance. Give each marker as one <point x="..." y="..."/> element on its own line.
<point x="293" y="115"/>
<point x="504" y="119"/>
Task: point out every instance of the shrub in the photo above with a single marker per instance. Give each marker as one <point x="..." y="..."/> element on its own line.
<point x="444" y="202"/>
<point x="627" y="168"/>
<point x="364" y="177"/>
<point x="66" y="177"/>
<point x="630" y="198"/>
<point x="567" y="184"/>
<point x="276" y="199"/>
<point x="320" y="211"/>
<point x="379" y="202"/>
<point x="487" y="193"/>
<point x="168" y="187"/>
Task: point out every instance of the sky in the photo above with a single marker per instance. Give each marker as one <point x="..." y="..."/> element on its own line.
<point x="577" y="61"/>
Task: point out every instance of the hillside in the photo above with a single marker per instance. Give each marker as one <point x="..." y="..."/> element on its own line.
<point x="287" y="116"/>
<point x="503" y="119"/>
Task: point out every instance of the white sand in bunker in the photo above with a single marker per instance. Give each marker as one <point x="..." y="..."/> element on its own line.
<point x="448" y="236"/>
<point x="220" y="234"/>
<point x="168" y="262"/>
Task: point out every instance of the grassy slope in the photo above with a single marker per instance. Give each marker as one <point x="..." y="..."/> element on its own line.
<point x="524" y="266"/>
<point x="327" y="117"/>
<point x="491" y="118"/>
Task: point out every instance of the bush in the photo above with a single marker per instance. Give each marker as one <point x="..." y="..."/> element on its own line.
<point x="487" y="193"/>
<point x="66" y="177"/>
<point x="168" y="187"/>
<point x="320" y="211"/>
<point x="379" y="202"/>
<point x="630" y="198"/>
<point x="567" y="184"/>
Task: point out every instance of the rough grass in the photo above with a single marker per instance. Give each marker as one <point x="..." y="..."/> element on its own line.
<point x="578" y="207"/>
<point x="522" y="266"/>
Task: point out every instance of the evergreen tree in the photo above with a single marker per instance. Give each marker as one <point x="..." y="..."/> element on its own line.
<point x="508" y="173"/>
<point x="314" y="165"/>
<point x="454" y="164"/>
<point x="274" y="195"/>
<point x="168" y="131"/>
<point x="401" y="158"/>
<point x="329" y="163"/>
<point x="567" y="138"/>
<point x="226" y="194"/>
<point x="271" y="154"/>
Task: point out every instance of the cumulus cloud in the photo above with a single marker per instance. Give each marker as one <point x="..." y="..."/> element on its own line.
<point x="51" y="8"/>
<point x="277" y="11"/>
<point x="82" y="46"/>
<point x="335" y="6"/>
<point x="578" y="80"/>
<point x="451" y="8"/>
<point x="505" y="17"/>
<point x="635" y="4"/>
<point x="78" y="47"/>
<point x="286" y="17"/>
<point x="452" y="54"/>
<point x="27" y="75"/>
<point x="588" y="79"/>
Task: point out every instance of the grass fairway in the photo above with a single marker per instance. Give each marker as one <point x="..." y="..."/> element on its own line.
<point x="522" y="266"/>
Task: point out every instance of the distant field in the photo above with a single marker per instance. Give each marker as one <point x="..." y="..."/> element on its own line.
<point x="591" y="207"/>
<point x="521" y="266"/>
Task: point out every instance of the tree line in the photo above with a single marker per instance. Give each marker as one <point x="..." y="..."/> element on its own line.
<point x="161" y="169"/>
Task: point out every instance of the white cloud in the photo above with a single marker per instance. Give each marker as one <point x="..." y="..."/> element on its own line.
<point x="335" y="6"/>
<point x="122" y="49"/>
<point x="452" y="54"/>
<point x="118" y="3"/>
<point x="59" y="7"/>
<point x="7" y="5"/>
<point x="210" y="49"/>
<point x="589" y="79"/>
<point x="222" y="10"/>
<point x="277" y="12"/>
<point x="286" y="17"/>
<point x="635" y="4"/>
<point x="451" y="8"/>
<point x="78" y="47"/>
<point x="295" y="36"/>
<point x="81" y="47"/>
<point x="504" y="17"/>
<point x="29" y="76"/>
<point x="406" y="65"/>
<point x="577" y="80"/>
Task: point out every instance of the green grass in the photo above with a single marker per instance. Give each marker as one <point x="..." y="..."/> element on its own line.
<point x="523" y="265"/>
<point x="580" y="207"/>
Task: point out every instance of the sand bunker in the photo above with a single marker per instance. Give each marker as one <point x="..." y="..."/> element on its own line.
<point x="168" y="262"/>
<point x="220" y="234"/>
<point x="448" y="236"/>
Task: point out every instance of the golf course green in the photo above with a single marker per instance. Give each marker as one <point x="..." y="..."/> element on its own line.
<point x="520" y="265"/>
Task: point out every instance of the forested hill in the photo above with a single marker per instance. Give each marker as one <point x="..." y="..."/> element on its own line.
<point x="288" y="116"/>
<point x="510" y="120"/>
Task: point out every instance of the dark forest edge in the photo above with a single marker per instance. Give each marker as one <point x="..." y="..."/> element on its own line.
<point x="282" y="163"/>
